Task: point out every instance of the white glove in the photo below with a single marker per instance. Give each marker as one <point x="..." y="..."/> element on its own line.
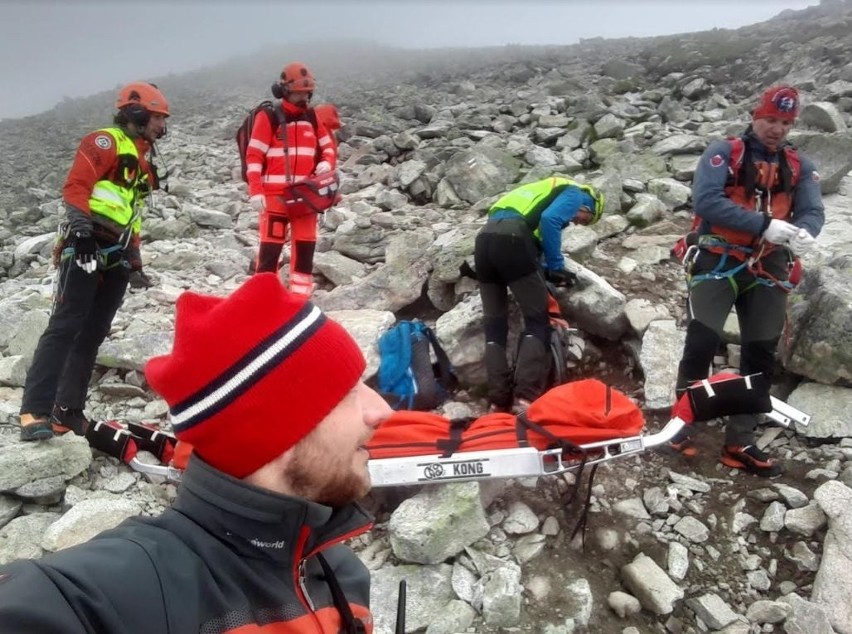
<point x="257" y="202"/>
<point x="801" y="243"/>
<point x="322" y="167"/>
<point x="779" y="232"/>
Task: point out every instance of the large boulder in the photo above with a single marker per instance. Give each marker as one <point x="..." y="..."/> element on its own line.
<point x="820" y="345"/>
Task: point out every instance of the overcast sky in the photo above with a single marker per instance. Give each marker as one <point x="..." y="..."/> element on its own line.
<point x="55" y="48"/>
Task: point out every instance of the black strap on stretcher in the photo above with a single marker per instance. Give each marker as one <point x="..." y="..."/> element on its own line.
<point x="124" y="441"/>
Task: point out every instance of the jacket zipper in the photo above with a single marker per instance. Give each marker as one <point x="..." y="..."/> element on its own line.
<point x="303" y="587"/>
<point x="301" y="582"/>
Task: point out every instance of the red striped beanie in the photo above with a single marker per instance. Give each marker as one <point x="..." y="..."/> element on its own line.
<point x="251" y="374"/>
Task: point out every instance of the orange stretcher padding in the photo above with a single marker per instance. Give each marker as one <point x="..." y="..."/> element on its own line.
<point x="578" y="412"/>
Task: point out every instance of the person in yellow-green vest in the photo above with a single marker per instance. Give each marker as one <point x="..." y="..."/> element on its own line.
<point x="96" y="254"/>
<point x="518" y="249"/>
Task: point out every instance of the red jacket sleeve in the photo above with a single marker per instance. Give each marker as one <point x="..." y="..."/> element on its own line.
<point x="258" y="146"/>
<point x="93" y="160"/>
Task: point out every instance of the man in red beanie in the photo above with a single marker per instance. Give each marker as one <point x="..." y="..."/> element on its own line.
<point x="268" y="391"/>
<point x="760" y="208"/>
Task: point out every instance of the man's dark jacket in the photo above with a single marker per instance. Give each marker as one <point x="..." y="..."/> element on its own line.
<point x="228" y="557"/>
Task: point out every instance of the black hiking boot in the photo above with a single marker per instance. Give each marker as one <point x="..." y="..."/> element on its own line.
<point x="65" y="419"/>
<point x="751" y="459"/>
<point x="684" y="447"/>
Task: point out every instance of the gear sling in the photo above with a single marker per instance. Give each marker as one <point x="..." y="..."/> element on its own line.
<point x="765" y="188"/>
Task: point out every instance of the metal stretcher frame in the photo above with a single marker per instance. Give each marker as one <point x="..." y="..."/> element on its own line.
<point x="520" y="462"/>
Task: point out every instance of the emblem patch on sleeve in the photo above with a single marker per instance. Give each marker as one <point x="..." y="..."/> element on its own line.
<point x="103" y="141"/>
<point x="815" y="176"/>
<point x="717" y="160"/>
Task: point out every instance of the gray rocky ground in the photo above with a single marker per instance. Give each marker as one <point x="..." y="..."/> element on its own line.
<point x="429" y="141"/>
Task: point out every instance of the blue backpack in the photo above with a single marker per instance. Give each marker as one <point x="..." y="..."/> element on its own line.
<point x="407" y="377"/>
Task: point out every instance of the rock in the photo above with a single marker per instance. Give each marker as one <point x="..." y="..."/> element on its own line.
<point x="85" y="520"/>
<point x="712" y="610"/>
<point x="650" y="585"/>
<point x="437" y="524"/>
<point x="22" y="463"/>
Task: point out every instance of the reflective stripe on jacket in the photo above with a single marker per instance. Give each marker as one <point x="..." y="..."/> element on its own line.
<point x="278" y="155"/>
<point x="532" y="199"/>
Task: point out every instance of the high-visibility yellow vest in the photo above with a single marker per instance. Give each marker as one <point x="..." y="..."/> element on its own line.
<point x="532" y="199"/>
<point x="118" y="198"/>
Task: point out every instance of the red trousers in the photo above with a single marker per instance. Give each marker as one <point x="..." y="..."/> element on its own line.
<point x="275" y="221"/>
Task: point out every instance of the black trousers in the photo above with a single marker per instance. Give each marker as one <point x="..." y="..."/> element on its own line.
<point x="84" y="307"/>
<point x="761" y="311"/>
<point x="506" y="258"/>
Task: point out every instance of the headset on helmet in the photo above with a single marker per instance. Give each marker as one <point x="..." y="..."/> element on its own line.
<point x="294" y="78"/>
<point x="138" y="100"/>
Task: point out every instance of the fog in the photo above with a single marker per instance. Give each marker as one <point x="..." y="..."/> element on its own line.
<point x="50" y="50"/>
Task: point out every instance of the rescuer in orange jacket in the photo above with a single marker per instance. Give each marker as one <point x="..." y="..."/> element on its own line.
<point x="278" y="156"/>
<point x="96" y="255"/>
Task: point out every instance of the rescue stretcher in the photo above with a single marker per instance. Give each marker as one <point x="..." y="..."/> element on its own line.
<point x="537" y="451"/>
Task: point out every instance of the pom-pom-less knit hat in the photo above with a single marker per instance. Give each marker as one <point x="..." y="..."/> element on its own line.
<point x="252" y="374"/>
<point x="780" y="102"/>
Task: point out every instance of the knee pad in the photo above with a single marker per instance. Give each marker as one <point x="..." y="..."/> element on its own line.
<point x="758" y="356"/>
<point x="268" y="254"/>
<point x="701" y="344"/>
<point x="499" y="375"/>
<point x="538" y="329"/>
<point x="304" y="256"/>
<point x="496" y="330"/>
<point x="531" y="368"/>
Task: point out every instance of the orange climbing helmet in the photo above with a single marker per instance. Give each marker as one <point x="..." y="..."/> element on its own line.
<point x="297" y="78"/>
<point x="143" y="94"/>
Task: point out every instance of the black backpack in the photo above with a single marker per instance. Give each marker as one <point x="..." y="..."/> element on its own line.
<point x="276" y="118"/>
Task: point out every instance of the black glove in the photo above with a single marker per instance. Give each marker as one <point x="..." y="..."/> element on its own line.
<point x="85" y="251"/>
<point x="138" y="279"/>
<point x="561" y="277"/>
<point x="466" y="270"/>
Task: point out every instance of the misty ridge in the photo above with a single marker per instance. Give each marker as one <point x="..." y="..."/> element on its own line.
<point x="729" y="58"/>
<point x="371" y="83"/>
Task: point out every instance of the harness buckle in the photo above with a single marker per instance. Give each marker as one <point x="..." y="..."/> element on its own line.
<point x="690" y="257"/>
